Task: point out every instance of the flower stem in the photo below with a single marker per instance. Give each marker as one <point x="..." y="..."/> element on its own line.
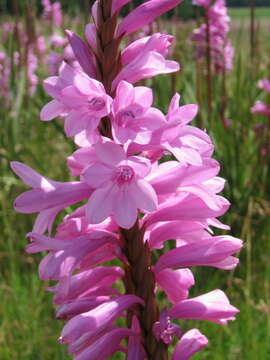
<point x="140" y="280"/>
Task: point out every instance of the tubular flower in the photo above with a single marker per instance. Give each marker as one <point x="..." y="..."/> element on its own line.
<point x="127" y="200"/>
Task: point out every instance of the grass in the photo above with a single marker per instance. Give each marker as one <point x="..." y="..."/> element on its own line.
<point x="27" y="326"/>
<point x="244" y="13"/>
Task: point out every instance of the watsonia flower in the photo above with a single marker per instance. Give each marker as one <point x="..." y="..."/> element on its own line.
<point x="129" y="201"/>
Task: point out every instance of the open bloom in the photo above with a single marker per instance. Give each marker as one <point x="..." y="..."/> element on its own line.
<point x="133" y="117"/>
<point x="78" y="97"/>
<point x="87" y="102"/>
<point x="53" y="86"/>
<point x="120" y="188"/>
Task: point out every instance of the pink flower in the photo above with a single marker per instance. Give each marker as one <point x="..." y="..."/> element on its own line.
<point x="165" y="330"/>
<point x="87" y="102"/>
<point x="265" y="85"/>
<point x="105" y="346"/>
<point x="53" y="86"/>
<point x="47" y="197"/>
<point x="260" y="108"/>
<point x="213" y="306"/>
<point x="144" y="14"/>
<point x="157" y="42"/>
<point x="135" y="348"/>
<point x="145" y="65"/>
<point x="87" y="282"/>
<point x="119" y="186"/>
<point x="190" y="343"/>
<point x="221" y="49"/>
<point x="204" y="3"/>
<point x="82" y="53"/>
<point x="133" y="200"/>
<point x="214" y="251"/>
<point x="118" y="4"/>
<point x="133" y="117"/>
<point x="69" y="255"/>
<point x="187" y="207"/>
<point x="53" y="12"/>
<point x="57" y="40"/>
<point x="81" y="99"/>
<point x="187" y="144"/>
<point x="175" y="283"/>
<point x="97" y="319"/>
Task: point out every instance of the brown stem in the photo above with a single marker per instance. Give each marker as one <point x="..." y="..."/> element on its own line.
<point x="199" y="93"/>
<point x="16" y="11"/>
<point x="252" y="28"/>
<point x="107" y="56"/>
<point x="140" y="280"/>
<point x="223" y="97"/>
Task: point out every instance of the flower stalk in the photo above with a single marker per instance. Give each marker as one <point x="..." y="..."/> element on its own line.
<point x="129" y="202"/>
<point x="140" y="280"/>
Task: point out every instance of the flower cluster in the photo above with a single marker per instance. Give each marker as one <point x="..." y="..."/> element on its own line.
<point x="60" y="51"/>
<point x="215" y="31"/>
<point x="130" y="202"/>
<point x="259" y="106"/>
<point x="4" y="78"/>
<point x="52" y="12"/>
<point x="262" y="128"/>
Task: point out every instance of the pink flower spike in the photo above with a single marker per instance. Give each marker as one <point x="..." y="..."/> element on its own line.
<point x="190" y="343"/>
<point x="144" y="14"/>
<point x="213" y="306"/>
